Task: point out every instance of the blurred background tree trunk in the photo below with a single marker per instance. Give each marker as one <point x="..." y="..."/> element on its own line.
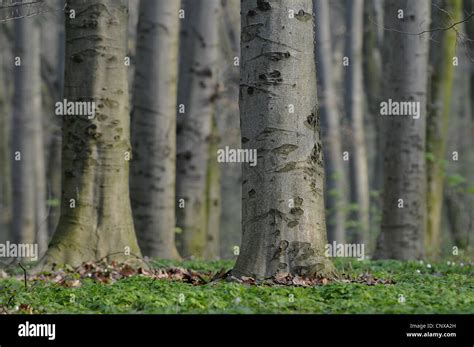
<point x="336" y="183"/>
<point x="6" y="87"/>
<point x="355" y="107"/>
<point x="438" y="121"/>
<point x="404" y="221"/>
<point x="28" y="175"/>
<point x="153" y="169"/>
<point x="228" y="123"/>
<point x="197" y="94"/>
<point x="52" y="73"/>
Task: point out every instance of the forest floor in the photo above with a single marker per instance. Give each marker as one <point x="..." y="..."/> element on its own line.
<point x="187" y="287"/>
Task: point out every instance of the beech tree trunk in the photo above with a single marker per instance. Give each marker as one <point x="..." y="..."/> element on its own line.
<point x="197" y="94"/>
<point x="372" y="67"/>
<point x="405" y="62"/>
<point x="228" y="122"/>
<point x="439" y="120"/>
<point x="96" y="217"/>
<point x="336" y="184"/>
<point x="152" y="181"/>
<point x="355" y="108"/>
<point x="52" y="71"/>
<point x="284" y="226"/>
<point x="459" y="202"/>
<point x="5" y="148"/>
<point x="27" y="144"/>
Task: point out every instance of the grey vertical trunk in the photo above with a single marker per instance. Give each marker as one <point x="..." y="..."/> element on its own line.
<point x="5" y="136"/>
<point x="355" y="108"/>
<point x="228" y="122"/>
<point x="336" y="184"/>
<point x="283" y="226"/>
<point x="152" y="181"/>
<point x="197" y="93"/>
<point x="25" y="136"/>
<point x="372" y="66"/>
<point x="52" y="53"/>
<point x="458" y="202"/>
<point x="96" y="217"/>
<point x="405" y="60"/>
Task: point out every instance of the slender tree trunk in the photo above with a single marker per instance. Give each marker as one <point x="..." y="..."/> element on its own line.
<point x="5" y="148"/>
<point x="438" y="123"/>
<point x="25" y="127"/>
<point x="213" y="194"/>
<point x="52" y="70"/>
<point x="335" y="179"/>
<point x="355" y="108"/>
<point x="41" y="217"/>
<point x="197" y="93"/>
<point x="459" y="203"/>
<point x="228" y="122"/>
<point x="405" y="62"/>
<point x="284" y="227"/>
<point x="152" y="182"/>
<point x="372" y="66"/>
<point x="96" y="217"/>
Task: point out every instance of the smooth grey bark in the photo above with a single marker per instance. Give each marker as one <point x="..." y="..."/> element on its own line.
<point x="336" y="184"/>
<point x="5" y="136"/>
<point x="94" y="151"/>
<point x="198" y="94"/>
<point x="228" y="123"/>
<point x="405" y="62"/>
<point x="355" y="109"/>
<point x="372" y="70"/>
<point x="152" y="180"/>
<point x="52" y="71"/>
<point x="132" y="42"/>
<point x="284" y="226"/>
<point x="27" y="135"/>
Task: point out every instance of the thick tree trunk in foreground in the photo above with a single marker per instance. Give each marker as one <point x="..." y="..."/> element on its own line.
<point x="95" y="151"/>
<point x="152" y="181"/>
<point x="355" y="108"/>
<point x="197" y="93"/>
<point x="336" y="184"/>
<point x="405" y="62"/>
<point x="438" y="121"/>
<point x="284" y="226"/>
<point x="26" y="130"/>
